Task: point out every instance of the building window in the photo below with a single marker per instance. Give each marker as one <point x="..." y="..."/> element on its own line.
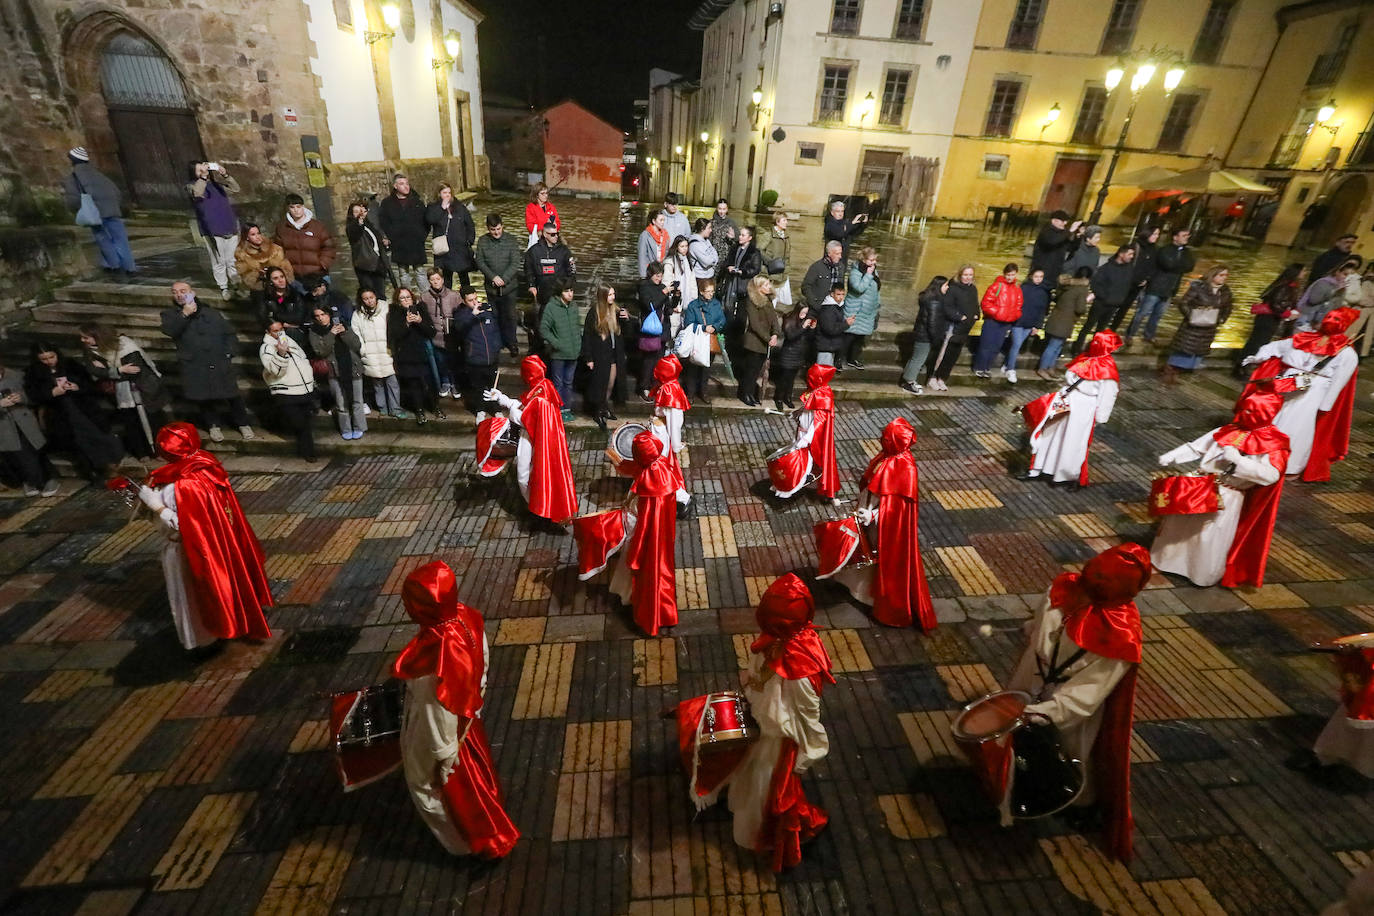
<point x="1087" y="128"/>
<point x="1212" y="35"/>
<point x="911" y="20"/>
<point x="1006" y="97"/>
<point x="844" y="17"/>
<point x="1362" y="153"/>
<point x="1120" y="27"/>
<point x="834" y="93"/>
<point x="895" y="87"/>
<point x="1178" y="122"/>
<point x="1327" y="67"/>
<point x="809" y="153"/>
<point x="1025" y="24"/>
<point x="1289" y="147"/>
<point x="995" y="167"/>
<point x="343" y="14"/>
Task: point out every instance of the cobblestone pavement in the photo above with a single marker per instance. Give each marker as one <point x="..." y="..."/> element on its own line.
<point x="132" y="780"/>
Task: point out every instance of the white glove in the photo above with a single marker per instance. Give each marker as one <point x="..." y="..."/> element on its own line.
<point x="866" y="516"/>
<point x="1231" y="454"/>
<point x="170" y="518"/>
<point x="1250" y="360"/>
<point x="492" y="394"/>
<point x="151" y="499"/>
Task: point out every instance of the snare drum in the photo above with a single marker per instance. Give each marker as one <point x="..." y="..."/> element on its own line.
<point x="1184" y="494"/>
<point x="726" y="723"/>
<point x="598" y="536"/>
<point x="841" y="542"/>
<point x="789" y="469"/>
<point x="366" y="726"/>
<point x="497" y="440"/>
<point x="990" y="717"/>
<point x="622" y="440"/>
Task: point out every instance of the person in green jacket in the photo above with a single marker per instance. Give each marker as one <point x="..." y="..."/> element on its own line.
<point x="499" y="257"/>
<point x="862" y="305"/>
<point x="561" y="329"/>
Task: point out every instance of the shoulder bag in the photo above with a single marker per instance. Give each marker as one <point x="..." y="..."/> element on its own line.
<point x="441" y="241"/>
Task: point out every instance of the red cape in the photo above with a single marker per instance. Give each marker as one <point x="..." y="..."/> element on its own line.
<point x="452" y="651"/>
<point x="1331" y="434"/>
<point x="551" y="480"/>
<point x="223" y="553"/>
<point x="900" y="591"/>
<point x="821" y="402"/>
<point x="653" y="599"/>
<point x="1249" y="551"/>
<point x="1111" y="763"/>
<point x="801" y="655"/>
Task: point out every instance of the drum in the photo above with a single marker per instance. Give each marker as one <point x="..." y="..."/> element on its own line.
<point x="1184" y="494"/>
<point x="505" y="443"/>
<point x="726" y="723"/>
<point x="1355" y="665"/>
<point x="841" y="542"/>
<point x="597" y="536"/>
<point x="366" y="726"/>
<point x="789" y="469"/>
<point x="497" y="440"/>
<point x="623" y="439"/>
<point x="990" y="717"/>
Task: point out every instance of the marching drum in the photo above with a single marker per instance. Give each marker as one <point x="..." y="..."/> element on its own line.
<point x="366" y="726"/>
<point x="597" y="536"/>
<point x="623" y="439"/>
<point x="497" y="441"/>
<point x="726" y="723"/>
<point x="989" y="718"/>
<point x="1184" y="494"/>
<point x="505" y="444"/>
<point x="789" y="469"/>
<point x="1355" y="664"/>
<point x="841" y="542"/>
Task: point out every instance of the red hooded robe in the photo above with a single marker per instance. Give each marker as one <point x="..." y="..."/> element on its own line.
<point x="653" y="598"/>
<point x="223" y="553"/>
<point x="820" y="400"/>
<point x="1331" y="434"/>
<point x="449" y="646"/>
<point x="900" y="592"/>
<point x="552" y="495"/>
<point x="1096" y="365"/>
<point x="668" y="393"/>
<point x="1253" y="433"/>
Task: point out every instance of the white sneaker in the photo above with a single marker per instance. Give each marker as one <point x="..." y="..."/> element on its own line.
<point x="216" y="434"/>
<point x="32" y="491"/>
<point x="50" y="488"/>
<point x="1011" y="377"/>
<point x="225" y="294"/>
<point x="367" y="411"/>
<point x="446" y="391"/>
<point x="1001" y="370"/>
<point x="246" y="432"/>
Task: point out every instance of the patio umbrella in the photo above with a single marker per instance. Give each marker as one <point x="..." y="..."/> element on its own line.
<point x="1207" y="181"/>
<point x="1149" y="176"/>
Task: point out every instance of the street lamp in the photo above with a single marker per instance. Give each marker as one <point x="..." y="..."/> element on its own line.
<point x="1324" y="116"/>
<point x="757" y="95"/>
<point x="391" y="18"/>
<point x="1050" y="117"/>
<point x="705" y="137"/>
<point x="866" y="107"/>
<point x="1145" y="71"/>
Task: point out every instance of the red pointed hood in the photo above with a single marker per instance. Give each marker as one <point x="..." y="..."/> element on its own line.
<point x="667" y="389"/>
<point x="1330" y="339"/>
<point x="180" y="444"/>
<point x="1252" y="429"/>
<point x="533" y="372"/>
<point x="1099" y="611"/>
<point x="789" y="642"/>
<point x="892" y="472"/>
<point x="1097" y="364"/>
<point x="449" y="644"/>
<point x="818" y="395"/>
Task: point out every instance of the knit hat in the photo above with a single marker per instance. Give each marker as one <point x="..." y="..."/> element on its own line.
<point x="79" y="154"/>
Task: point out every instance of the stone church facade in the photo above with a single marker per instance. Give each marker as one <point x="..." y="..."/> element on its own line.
<point x="326" y="98"/>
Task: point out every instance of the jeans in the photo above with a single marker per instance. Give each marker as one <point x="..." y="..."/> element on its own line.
<point x="297" y="412"/>
<point x="990" y="343"/>
<point x="113" y="242"/>
<point x="348" y="405"/>
<point x="387" y="393"/>
<point x="222" y="248"/>
<point x="920" y="353"/>
<point x="1152" y="306"/>
<point x="1019" y="336"/>
<point x="825" y="358"/>
<point x="505" y="315"/>
<point x="412" y="276"/>
<point x="561" y="374"/>
<point x="1053" y="345"/>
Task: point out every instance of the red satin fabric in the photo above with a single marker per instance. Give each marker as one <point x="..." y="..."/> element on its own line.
<point x="707" y="772"/>
<point x="1331" y="434"/>
<point x="1252" y="430"/>
<point x="837" y="542"/>
<point x="1099" y="613"/>
<point x="991" y="762"/>
<point x="901" y="594"/>
<point x="667" y="389"/>
<point x="487" y="433"/>
<point x="653" y="597"/>
<point x="223" y="553"/>
<point x="1249" y="551"/>
<point x="1183" y="494"/>
<point x="598" y="537"/>
<point x="1035" y="411"/>
<point x="1096" y="363"/>
<point x="789" y="819"/>
<point x="789" y="642"/>
<point x="472" y="797"/>
<point x="1111" y="763"/>
<point x="449" y="644"/>
<point x="1083" y="471"/>
<point x="551" y="479"/>
<point x="893" y="470"/>
<point x="1330" y="338"/>
<point x="1356" y="668"/>
<point x="820" y="400"/>
<point x="533" y="373"/>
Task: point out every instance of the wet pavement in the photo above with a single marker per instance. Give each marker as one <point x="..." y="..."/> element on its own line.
<point x="135" y="781"/>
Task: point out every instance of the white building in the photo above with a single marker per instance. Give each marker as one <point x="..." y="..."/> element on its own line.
<point x="818" y="98"/>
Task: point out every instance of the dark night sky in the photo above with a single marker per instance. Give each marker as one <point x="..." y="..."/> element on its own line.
<point x="598" y="52"/>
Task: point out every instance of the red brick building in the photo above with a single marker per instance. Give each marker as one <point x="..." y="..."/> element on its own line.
<point x="582" y="153"/>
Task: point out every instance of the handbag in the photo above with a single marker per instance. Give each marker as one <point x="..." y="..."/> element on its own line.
<point x="88" y="214"/>
<point x="775" y="266"/>
<point x="1204" y="317"/>
<point x="651" y="333"/>
<point x="441" y="241"/>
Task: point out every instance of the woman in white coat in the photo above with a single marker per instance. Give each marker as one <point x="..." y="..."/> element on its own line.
<point x="369" y="323"/>
<point x="1061" y="436"/>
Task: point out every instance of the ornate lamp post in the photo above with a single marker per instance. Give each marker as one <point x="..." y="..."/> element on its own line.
<point x="1145" y="71"/>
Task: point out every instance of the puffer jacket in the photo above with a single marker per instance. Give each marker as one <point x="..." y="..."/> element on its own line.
<point x="964" y="297"/>
<point x="1193" y="339"/>
<point x="371" y="331"/>
<point x="830" y="326"/>
<point x="1071" y="305"/>
<point x="561" y="328"/>
<point x="863" y="302"/>
<point x="289" y="374"/>
<point x="309" y="247"/>
<point x="1001" y="300"/>
<point x="251" y="260"/>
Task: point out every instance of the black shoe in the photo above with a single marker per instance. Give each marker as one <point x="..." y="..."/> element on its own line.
<point x="704" y="399"/>
<point x="685" y="511"/>
<point x="600" y="420"/>
<point x="608" y="415"/>
<point x="854" y="364"/>
<point x="513" y="351"/>
<point x="420" y="418"/>
<point x="439" y="414"/>
<point x="791" y="405"/>
<point x="646" y="397"/>
<point x="777" y="405"/>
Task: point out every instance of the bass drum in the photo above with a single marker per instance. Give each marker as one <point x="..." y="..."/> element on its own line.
<point x="1047" y="780"/>
<point x="623" y="439"/>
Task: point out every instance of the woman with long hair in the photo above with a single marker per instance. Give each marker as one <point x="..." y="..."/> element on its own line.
<point x="930" y="326"/>
<point x="448" y="219"/>
<point x="369" y="259"/>
<point x="1205" y="306"/>
<point x="71" y="415"/>
<point x="762" y="325"/>
<point x="960" y="308"/>
<point x="603" y="353"/>
<point x="678" y="278"/>
<point x="1277" y="304"/>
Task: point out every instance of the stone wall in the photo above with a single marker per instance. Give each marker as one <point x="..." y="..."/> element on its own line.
<point x="36" y="260"/>
<point x="350" y="181"/>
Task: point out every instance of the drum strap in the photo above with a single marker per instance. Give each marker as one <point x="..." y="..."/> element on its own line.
<point x="1055" y="673"/>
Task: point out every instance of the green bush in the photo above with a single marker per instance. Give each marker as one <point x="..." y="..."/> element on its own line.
<point x="767" y="199"/>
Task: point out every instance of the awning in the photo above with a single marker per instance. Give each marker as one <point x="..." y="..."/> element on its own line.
<point x="1209" y="181"/>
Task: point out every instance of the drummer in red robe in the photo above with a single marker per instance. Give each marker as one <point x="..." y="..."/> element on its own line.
<point x="813" y="449"/>
<point x="894" y="583"/>
<point x="671" y="405"/>
<point x="212" y="562"/>
<point x="542" y="466"/>
<point x="444" y="747"/>
<point x="1080" y="665"/>
<point x="644" y="575"/>
<point x="788" y="668"/>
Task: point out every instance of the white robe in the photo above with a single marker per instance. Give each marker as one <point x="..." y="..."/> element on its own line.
<point x="1348" y="741"/>
<point x="524" y="452"/>
<point x="1196" y="546"/>
<point x="1075" y="706"/>
<point x="622" y="576"/>
<point x="1062" y="445"/>
<point x="670" y="434"/>
<point x="430" y="739"/>
<point x="176" y="570"/>
<point x="1298" y="418"/>
<point x="806" y="431"/>
<point x="783" y="709"/>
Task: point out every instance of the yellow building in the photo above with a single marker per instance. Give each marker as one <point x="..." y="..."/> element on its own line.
<point x="1037" y="120"/>
<point x="1309" y="132"/>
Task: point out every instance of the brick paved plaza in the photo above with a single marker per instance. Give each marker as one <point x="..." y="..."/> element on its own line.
<point x="132" y="780"/>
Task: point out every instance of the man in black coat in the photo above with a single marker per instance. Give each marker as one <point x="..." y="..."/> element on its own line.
<point x="1052" y="246"/>
<point x="404" y="231"/>
<point x="1112" y="285"/>
<point x="840" y="229"/>
<point x="206" y="347"/>
<point x="822" y="275"/>
<point x="1332" y="257"/>
<point x="547" y="261"/>
<point x="1172" y="261"/>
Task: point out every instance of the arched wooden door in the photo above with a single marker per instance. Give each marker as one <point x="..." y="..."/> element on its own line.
<point x="153" y="123"/>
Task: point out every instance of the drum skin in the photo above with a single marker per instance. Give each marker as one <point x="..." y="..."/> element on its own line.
<point x="990" y="716"/>
<point x="622" y="440"/>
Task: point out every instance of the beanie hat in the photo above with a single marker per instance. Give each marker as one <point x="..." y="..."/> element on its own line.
<point x="79" y="154"/>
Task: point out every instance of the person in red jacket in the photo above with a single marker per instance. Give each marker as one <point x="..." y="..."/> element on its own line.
<point x="1001" y="307"/>
<point x="539" y="212"/>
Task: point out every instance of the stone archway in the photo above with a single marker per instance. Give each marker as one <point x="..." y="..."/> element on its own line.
<point x="133" y="105"/>
<point x="1344" y="205"/>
